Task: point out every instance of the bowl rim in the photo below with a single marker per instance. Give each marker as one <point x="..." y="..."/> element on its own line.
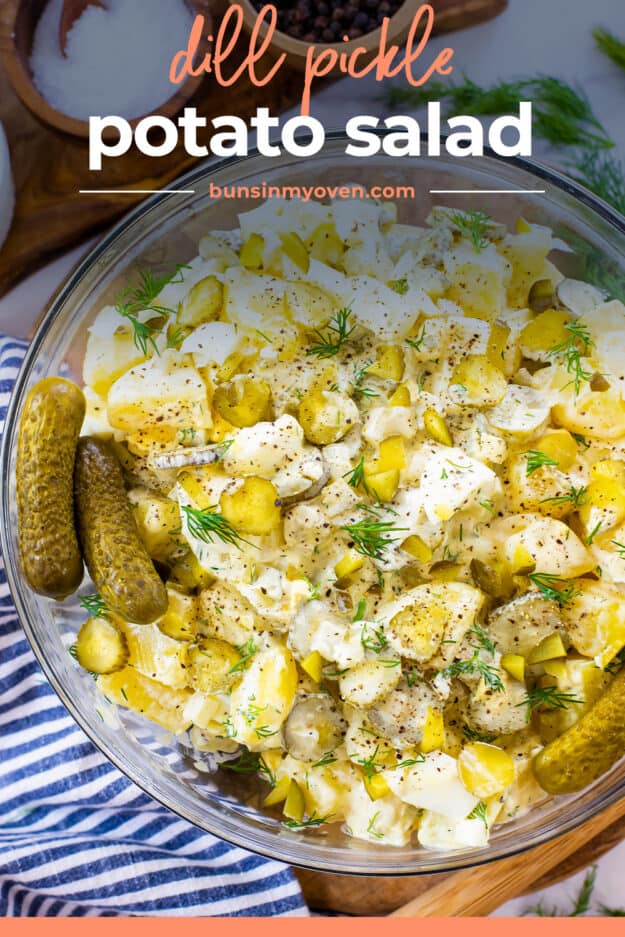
<point x="281" y="850"/>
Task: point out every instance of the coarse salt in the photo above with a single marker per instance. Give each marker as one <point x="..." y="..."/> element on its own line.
<point x="117" y="59"/>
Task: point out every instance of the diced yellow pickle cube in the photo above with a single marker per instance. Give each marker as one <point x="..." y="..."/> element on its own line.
<point x="522" y="226"/>
<point x="295" y="804"/>
<point x="522" y="560"/>
<point x="214" y="665"/>
<point x="497" y="344"/>
<point x="203" y="303"/>
<point x="383" y="485"/>
<point x="189" y="573"/>
<point x="392" y="454"/>
<point x="390" y="363"/>
<point x="549" y="648"/>
<point x="436" y="427"/>
<point x="609" y="468"/>
<point x="243" y="401"/>
<point x="325" y="245"/>
<point x="279" y="792"/>
<point x="485" y="770"/>
<point x="252" y="252"/>
<point x="251" y="508"/>
<point x="604" y="504"/>
<point x="481" y="382"/>
<point x="377" y="786"/>
<point x="417" y="548"/>
<point x="555" y="668"/>
<point x="514" y="664"/>
<point x="351" y="563"/>
<point x="400" y="397"/>
<point x="313" y="665"/>
<point x="545" y="331"/>
<point x="558" y="444"/>
<point x="295" y="250"/>
<point x="433" y="738"/>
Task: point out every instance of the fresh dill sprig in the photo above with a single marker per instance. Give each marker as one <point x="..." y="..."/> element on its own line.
<point x="561" y="114"/>
<point x="473" y="224"/>
<point x="536" y="460"/>
<point x="176" y="338"/>
<point x="620" y="548"/>
<point x="484" y="642"/>
<point x="477" y="667"/>
<point x="73" y="651"/>
<point x="373" y="639"/>
<point x="207" y="523"/>
<point x="418" y="341"/>
<point x="553" y="588"/>
<point x="578" y="344"/>
<point x="372" y="536"/>
<point x="610" y="45"/>
<point x="607" y="911"/>
<point x="330" y="344"/>
<point x="95" y="605"/>
<point x="548" y="697"/>
<point x="472" y="735"/>
<point x="589" y="540"/>
<point x="328" y="759"/>
<point x="250" y="763"/>
<point x="136" y="300"/>
<point x="264" y="732"/>
<point x="602" y="174"/>
<point x="576" y="497"/>
<point x="361" y="610"/>
<point x="356" y="476"/>
<point x="359" y="376"/>
<point x="312" y="821"/>
<point x="246" y="652"/>
<point x="369" y="765"/>
<point x="479" y="813"/>
<point x="581" y="905"/>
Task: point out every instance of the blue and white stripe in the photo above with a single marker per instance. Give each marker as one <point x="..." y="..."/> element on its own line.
<point x="77" y="839"/>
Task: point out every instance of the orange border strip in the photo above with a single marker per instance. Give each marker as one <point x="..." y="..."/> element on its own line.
<point x="339" y="926"/>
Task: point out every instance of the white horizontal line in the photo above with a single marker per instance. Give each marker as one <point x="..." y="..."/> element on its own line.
<point x="136" y="191"/>
<point x="487" y="191"/>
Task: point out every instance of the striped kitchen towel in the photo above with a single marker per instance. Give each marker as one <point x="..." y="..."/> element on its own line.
<point x="77" y="838"/>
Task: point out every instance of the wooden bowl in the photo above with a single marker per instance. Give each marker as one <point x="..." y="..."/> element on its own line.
<point x="15" y="49"/>
<point x="296" y="49"/>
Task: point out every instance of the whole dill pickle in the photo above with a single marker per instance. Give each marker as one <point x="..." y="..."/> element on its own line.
<point x="49" y="427"/>
<point x="589" y="748"/>
<point x="117" y="561"/>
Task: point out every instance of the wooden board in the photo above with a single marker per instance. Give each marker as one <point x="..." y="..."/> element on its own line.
<point x="366" y="896"/>
<point x="51" y="216"/>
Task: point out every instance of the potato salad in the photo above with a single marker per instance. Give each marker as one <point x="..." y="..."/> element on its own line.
<point x="380" y="472"/>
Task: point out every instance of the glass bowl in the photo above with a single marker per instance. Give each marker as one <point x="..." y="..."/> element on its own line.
<point x="166" y="230"/>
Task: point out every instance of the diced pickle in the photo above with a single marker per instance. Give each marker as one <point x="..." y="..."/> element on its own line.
<point x="485" y="770"/>
<point x="389" y="364"/>
<point x="314" y="728"/>
<point x="252" y="252"/>
<point x="295" y="250"/>
<point x="203" y="302"/>
<point x="542" y="296"/>
<point x="325" y="245"/>
<point x="436" y="427"/>
<point x="545" y="331"/>
<point x="212" y="665"/>
<point x="251" y="508"/>
<point x="481" y="383"/>
<point x="100" y="646"/>
<point x="326" y="417"/>
<point x="243" y="401"/>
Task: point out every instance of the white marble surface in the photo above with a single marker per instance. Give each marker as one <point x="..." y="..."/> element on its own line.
<point x="532" y="36"/>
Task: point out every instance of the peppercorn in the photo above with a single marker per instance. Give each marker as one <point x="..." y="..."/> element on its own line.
<point x="316" y="21"/>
